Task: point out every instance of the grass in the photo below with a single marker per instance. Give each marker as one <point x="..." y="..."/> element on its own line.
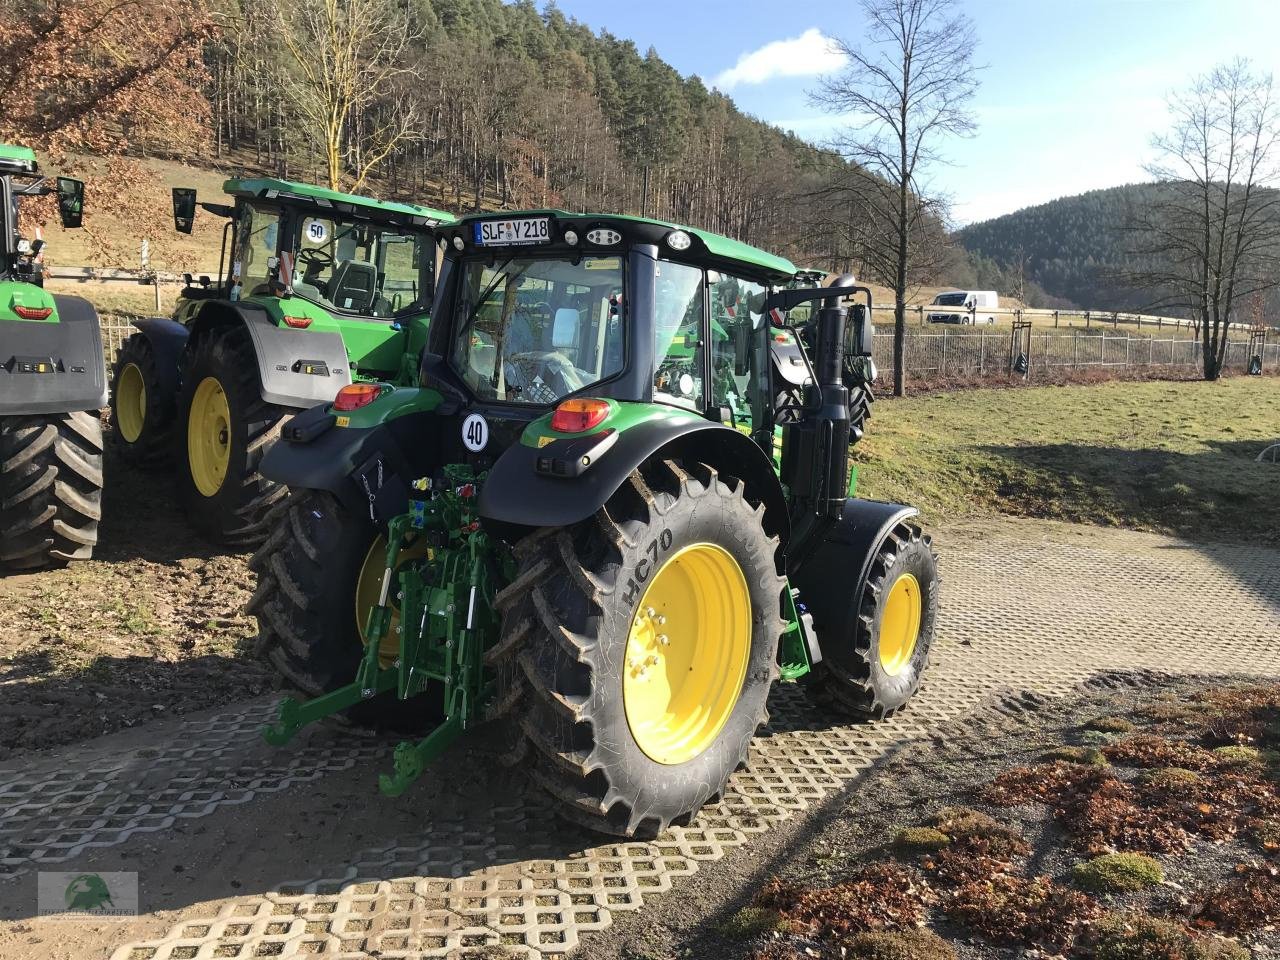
<point x="1172" y="457"/>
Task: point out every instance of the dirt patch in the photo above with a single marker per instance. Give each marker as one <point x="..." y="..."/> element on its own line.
<point x="1008" y="834"/>
<point x="154" y="625"/>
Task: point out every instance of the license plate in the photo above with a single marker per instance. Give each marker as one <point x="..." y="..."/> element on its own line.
<point x="510" y="233"/>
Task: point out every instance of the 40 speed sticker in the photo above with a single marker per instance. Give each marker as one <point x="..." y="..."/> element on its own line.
<point x="475" y="433"/>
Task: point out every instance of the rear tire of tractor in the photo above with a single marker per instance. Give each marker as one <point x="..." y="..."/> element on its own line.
<point x="867" y="670"/>
<point x="50" y="488"/>
<point x="618" y="756"/>
<point x="230" y="509"/>
<point x="142" y="412"/>
<point x="307" y="607"/>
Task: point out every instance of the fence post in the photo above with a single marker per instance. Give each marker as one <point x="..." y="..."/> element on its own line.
<point x="982" y="352"/>
<point x="1086" y="320"/>
<point x="942" y="369"/>
<point x="1055" y="318"/>
<point x="1075" y="349"/>
<point x="1128" y="348"/>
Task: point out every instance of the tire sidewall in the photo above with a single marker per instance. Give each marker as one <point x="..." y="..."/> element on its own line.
<point x="158" y="415"/>
<point x="677" y="523"/>
<point x="207" y="359"/>
<point x="894" y="690"/>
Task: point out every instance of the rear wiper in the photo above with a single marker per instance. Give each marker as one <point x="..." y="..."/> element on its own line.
<point x="466" y="324"/>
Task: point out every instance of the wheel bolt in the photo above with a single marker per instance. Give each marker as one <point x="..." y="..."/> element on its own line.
<point x="649" y="611"/>
<point x="664" y="639"/>
<point x="660" y="620"/>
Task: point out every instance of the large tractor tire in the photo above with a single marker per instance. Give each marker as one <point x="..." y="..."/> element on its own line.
<point x="872" y="661"/>
<point x="638" y="649"/>
<point x="142" y="412"/>
<point x="319" y="573"/>
<point x="50" y="488"/>
<point x="225" y="429"/>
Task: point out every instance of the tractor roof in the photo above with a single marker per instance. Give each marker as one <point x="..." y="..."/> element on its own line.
<point x="270" y="188"/>
<point x="719" y="247"/>
<point x="17" y="159"/>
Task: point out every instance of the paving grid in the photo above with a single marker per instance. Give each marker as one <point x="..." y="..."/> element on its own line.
<point x="1027" y="606"/>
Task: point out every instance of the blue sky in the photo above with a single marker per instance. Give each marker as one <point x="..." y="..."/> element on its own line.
<point x="1070" y="96"/>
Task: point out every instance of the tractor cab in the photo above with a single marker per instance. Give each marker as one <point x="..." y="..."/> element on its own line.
<point x="537" y="308"/>
<point x="20" y="177"/>
<point x="320" y="260"/>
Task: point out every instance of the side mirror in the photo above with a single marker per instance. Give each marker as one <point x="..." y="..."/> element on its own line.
<point x="70" y="201"/>
<point x="184" y="209"/>
<point x="36" y="247"/>
<point x="863" y="340"/>
<point x="564" y="329"/>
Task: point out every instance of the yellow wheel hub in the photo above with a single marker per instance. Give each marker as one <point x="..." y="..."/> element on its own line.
<point x="209" y="436"/>
<point x="131" y="402"/>
<point x="687" y="653"/>
<point x="900" y="624"/>
<point x="369" y="589"/>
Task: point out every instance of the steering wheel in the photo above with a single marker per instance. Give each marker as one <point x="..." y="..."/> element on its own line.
<point x="315" y="258"/>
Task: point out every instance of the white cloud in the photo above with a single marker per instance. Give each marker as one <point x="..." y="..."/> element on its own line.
<point x="807" y="55"/>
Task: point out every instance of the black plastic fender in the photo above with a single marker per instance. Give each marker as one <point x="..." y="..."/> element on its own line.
<point x="168" y="339"/>
<point x="367" y="468"/>
<point x="832" y="577"/>
<point x="53" y="367"/>
<point x="296" y="368"/>
<point x="516" y="493"/>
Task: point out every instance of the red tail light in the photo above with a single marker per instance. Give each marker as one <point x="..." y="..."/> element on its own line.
<point x="298" y="323"/>
<point x="356" y="395"/>
<point x="33" y="313"/>
<point x="579" y="415"/>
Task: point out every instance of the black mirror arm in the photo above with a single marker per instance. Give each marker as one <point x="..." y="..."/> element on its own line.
<point x="786" y="300"/>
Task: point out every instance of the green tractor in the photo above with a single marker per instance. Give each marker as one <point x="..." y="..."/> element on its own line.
<point x="614" y="510"/>
<point x="53" y="382"/>
<point x="317" y="290"/>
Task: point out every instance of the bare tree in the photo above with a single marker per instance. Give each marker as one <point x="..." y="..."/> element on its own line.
<point x="907" y="84"/>
<point x="349" y="60"/>
<point x="1213" y="231"/>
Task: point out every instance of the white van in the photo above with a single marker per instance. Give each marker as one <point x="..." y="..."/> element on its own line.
<point x="966" y="306"/>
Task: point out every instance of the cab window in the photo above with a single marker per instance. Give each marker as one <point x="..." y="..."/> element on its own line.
<point x="362" y="268"/>
<point x="737" y="321"/>
<point x="678" y="325"/>
<point x="257" y="243"/>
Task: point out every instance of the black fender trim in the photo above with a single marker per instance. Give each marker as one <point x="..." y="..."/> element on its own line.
<point x="72" y="347"/>
<point x="284" y="355"/>
<point x="356" y="463"/>
<point x="168" y="339"/>
<point x="516" y="494"/>
<point x="832" y="577"/>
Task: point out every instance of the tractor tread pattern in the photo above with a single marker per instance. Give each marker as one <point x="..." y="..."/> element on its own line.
<point x="50" y="488"/>
<point x="154" y="445"/>
<point x="229" y="352"/>
<point x="853" y="694"/>
<point x="547" y="647"/>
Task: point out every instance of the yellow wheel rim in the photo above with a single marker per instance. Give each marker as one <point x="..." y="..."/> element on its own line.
<point x="131" y="402"/>
<point x="687" y="653"/>
<point x="900" y="624"/>
<point x="209" y="436"/>
<point x="369" y="589"/>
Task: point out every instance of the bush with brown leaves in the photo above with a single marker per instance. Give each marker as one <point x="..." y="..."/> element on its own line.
<point x="1015" y="909"/>
<point x="880" y="896"/>
<point x="1249" y="900"/>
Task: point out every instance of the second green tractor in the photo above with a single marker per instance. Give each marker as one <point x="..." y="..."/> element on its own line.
<point x="316" y="290"/>
<point x="612" y="510"/>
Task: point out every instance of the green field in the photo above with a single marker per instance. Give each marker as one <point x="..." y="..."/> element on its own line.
<point x="1173" y="457"/>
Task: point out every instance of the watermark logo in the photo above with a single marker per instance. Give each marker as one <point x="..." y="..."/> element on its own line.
<point x="69" y="895"/>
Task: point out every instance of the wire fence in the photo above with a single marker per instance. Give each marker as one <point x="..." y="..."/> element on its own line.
<point x="1027" y="350"/>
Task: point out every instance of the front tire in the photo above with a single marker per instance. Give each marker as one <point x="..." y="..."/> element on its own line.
<point x="225" y="429"/>
<point x="873" y="661"/>
<point x="50" y="488"/>
<point x="639" y="647"/>
<point x="142" y="412"/>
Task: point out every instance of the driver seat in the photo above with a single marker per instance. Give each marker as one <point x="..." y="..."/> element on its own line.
<point x="353" y="286"/>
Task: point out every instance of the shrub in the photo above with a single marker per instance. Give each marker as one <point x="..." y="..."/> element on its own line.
<point x="1110" y="725"/>
<point x="1117" y="873"/>
<point x="1089" y="756"/>
<point x="1238" y="756"/>
<point x="962" y="823"/>
<point x="906" y="945"/>
<point x="1169" y="778"/>
<point x="751" y="922"/>
<point x="917" y="840"/>
<point x="1248" y="901"/>
<point x="1135" y="936"/>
